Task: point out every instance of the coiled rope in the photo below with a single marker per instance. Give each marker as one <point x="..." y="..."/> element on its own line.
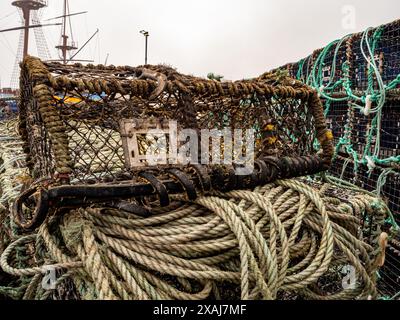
<point x="283" y="237"/>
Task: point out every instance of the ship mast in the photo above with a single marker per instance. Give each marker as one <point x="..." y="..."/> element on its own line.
<point x="27" y="6"/>
<point x="65" y="47"/>
<point x="29" y="9"/>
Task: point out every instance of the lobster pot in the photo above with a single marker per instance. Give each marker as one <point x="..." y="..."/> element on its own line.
<point x="96" y="124"/>
<point x="358" y="78"/>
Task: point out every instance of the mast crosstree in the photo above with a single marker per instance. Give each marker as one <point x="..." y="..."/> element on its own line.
<point x="29" y="13"/>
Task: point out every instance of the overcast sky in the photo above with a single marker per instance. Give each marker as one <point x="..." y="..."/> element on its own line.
<point x="235" y="38"/>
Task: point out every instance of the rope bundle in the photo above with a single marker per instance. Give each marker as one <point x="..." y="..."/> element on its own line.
<point x="288" y="239"/>
<point x="13" y="173"/>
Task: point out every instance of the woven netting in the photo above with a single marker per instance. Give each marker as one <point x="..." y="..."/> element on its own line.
<point x="72" y="117"/>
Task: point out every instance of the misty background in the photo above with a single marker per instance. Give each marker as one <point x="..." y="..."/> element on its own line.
<point x="235" y="38"/>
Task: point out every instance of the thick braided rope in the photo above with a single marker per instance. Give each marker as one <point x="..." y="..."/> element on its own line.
<point x="283" y="237"/>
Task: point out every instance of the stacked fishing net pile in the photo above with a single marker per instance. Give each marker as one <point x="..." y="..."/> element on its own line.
<point x="13" y="175"/>
<point x="358" y="79"/>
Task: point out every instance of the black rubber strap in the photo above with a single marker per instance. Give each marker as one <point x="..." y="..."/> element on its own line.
<point x="187" y="184"/>
<point x="273" y="168"/>
<point x="262" y="173"/>
<point x="158" y="187"/>
<point x="204" y="177"/>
